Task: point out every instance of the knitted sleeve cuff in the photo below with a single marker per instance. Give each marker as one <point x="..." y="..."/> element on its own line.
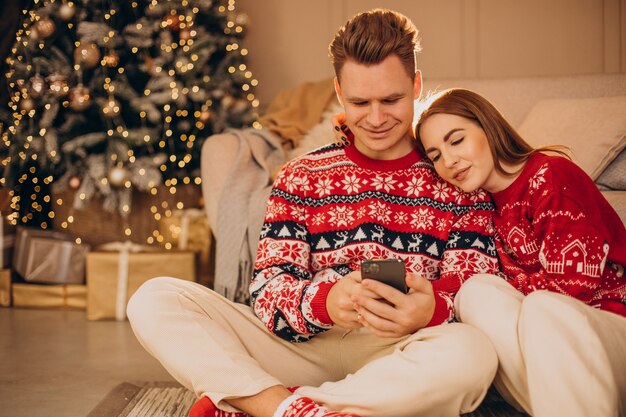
<point x="318" y="303"/>
<point x="442" y="310"/>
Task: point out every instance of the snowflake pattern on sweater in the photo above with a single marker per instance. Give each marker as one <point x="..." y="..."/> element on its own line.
<point x="334" y="207"/>
<point x="555" y="231"/>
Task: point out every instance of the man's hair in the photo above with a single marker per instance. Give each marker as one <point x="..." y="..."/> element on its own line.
<point x="505" y="143"/>
<point x="370" y="37"/>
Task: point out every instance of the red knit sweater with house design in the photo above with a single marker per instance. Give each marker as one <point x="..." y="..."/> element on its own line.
<point x="555" y="231"/>
<point x="334" y="207"/>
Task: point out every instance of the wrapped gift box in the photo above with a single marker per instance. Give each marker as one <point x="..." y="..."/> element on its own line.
<point x="45" y="256"/>
<point x="5" y="287"/>
<point x="113" y="277"/>
<point x="65" y="296"/>
<point x="189" y="230"/>
<point x="6" y="195"/>
<point x="7" y="242"/>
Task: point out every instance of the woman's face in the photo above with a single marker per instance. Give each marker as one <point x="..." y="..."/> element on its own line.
<point x="459" y="150"/>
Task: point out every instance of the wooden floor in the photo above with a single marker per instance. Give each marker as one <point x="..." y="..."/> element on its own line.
<point x="55" y="363"/>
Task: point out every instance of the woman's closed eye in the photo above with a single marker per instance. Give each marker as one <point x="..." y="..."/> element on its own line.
<point x="457" y="141"/>
<point x="434" y="157"/>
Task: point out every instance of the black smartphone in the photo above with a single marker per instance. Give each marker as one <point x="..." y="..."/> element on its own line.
<point x="389" y="271"/>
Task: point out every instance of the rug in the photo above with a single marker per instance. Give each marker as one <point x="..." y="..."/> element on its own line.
<point x="150" y="399"/>
<point x="169" y="399"/>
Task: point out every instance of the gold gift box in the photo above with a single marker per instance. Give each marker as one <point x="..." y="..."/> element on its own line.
<point x="189" y="230"/>
<point x="103" y="277"/>
<point x="67" y="296"/>
<point x="5" y="287"/>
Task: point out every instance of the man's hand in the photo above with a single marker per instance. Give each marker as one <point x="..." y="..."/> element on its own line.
<point x="339" y="302"/>
<point x="397" y="314"/>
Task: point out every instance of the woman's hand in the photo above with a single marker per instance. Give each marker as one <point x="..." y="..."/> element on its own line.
<point x="341" y="130"/>
<point x="397" y="314"/>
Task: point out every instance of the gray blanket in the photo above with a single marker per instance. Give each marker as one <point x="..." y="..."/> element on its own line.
<point x="252" y="156"/>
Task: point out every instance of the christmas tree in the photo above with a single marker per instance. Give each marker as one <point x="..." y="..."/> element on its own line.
<point x="113" y="97"/>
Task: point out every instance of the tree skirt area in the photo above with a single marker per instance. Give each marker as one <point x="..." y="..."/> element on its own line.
<point x="169" y="399"/>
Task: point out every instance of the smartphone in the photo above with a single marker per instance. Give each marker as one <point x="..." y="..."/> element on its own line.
<point x="389" y="271"/>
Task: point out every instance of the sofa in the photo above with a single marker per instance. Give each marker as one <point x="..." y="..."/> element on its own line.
<point x="586" y="113"/>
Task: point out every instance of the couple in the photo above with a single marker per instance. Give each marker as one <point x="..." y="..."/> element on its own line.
<point x="320" y="341"/>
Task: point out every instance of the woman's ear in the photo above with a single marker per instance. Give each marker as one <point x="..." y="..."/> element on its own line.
<point x="338" y="92"/>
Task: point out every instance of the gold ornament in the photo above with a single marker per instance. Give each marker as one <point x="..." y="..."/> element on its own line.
<point x="112" y="59"/>
<point x="171" y="22"/>
<point x="58" y="85"/>
<point x="111" y="107"/>
<point x="37" y="86"/>
<point x="118" y="176"/>
<point x="185" y="34"/>
<point x="45" y="27"/>
<point x="87" y="55"/>
<point x="34" y="33"/>
<point x="242" y="19"/>
<point x="205" y="116"/>
<point x="67" y="11"/>
<point x="240" y="106"/>
<point x="74" y="183"/>
<point x="80" y="98"/>
<point x="228" y="101"/>
<point x="27" y="104"/>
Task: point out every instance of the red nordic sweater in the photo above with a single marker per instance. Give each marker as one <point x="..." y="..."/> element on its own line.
<point x="334" y="207"/>
<point x="555" y="231"/>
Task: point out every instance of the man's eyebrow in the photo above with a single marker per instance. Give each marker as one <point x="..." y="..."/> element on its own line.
<point x="389" y="97"/>
<point x="445" y="139"/>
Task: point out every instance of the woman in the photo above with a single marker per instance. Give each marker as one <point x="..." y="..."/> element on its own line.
<point x="558" y="320"/>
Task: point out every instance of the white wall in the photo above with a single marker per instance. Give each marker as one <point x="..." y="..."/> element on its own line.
<point x="288" y="39"/>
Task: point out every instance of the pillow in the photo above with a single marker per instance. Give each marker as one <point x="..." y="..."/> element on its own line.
<point x="593" y="128"/>
<point x="614" y="176"/>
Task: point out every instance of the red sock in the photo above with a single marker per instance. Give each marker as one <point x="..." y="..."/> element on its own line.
<point x="204" y="407"/>
<point x="306" y="407"/>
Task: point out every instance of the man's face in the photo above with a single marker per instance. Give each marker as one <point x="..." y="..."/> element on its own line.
<point x="378" y="101"/>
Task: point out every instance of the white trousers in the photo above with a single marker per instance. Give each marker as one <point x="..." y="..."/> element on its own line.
<point x="557" y="355"/>
<point x="222" y="350"/>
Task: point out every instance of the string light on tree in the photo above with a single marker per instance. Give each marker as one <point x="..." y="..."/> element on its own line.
<point x="37" y="86"/>
<point x="111" y="107"/>
<point x="111" y="59"/>
<point x="58" y="84"/>
<point x="80" y="98"/>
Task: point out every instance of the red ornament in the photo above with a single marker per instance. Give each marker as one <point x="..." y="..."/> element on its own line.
<point x="74" y="183"/>
<point x="171" y="21"/>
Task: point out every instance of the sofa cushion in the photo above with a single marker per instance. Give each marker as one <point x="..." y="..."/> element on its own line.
<point x="593" y="128"/>
<point x="614" y="176"/>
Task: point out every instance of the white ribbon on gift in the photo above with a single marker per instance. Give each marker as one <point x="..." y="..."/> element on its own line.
<point x="185" y="220"/>
<point x="124" y="249"/>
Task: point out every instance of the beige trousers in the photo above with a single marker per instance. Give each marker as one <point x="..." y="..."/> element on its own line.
<point x="557" y="355"/>
<point x="222" y="350"/>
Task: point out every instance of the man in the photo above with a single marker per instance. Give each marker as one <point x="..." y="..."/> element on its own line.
<point x="342" y="343"/>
